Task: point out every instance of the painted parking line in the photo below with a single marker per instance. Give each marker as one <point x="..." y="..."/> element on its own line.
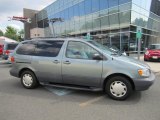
<point x="89" y="102"/>
<point x="59" y="91"/>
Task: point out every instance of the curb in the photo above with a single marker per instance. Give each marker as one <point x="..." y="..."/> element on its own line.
<point x="157" y="73"/>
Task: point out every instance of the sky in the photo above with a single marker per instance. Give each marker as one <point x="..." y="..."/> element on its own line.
<point x="9" y="8"/>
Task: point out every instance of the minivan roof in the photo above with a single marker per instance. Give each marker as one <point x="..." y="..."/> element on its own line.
<point x="70" y="38"/>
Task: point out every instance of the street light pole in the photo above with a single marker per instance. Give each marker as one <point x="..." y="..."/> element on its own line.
<point x="52" y="21"/>
<point x="139" y="36"/>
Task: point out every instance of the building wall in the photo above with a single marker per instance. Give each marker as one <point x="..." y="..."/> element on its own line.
<point x="28" y="26"/>
<point x="37" y="32"/>
<point x="143" y="15"/>
<point x="111" y="22"/>
<point x="81" y="16"/>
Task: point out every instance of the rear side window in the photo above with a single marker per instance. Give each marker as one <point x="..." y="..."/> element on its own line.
<point x="27" y="48"/>
<point x="48" y="48"/>
<point x="11" y="46"/>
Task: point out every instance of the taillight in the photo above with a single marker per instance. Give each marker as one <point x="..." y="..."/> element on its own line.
<point x="12" y="59"/>
<point x="7" y="52"/>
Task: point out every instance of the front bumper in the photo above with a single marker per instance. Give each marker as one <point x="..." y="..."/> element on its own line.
<point x="144" y="83"/>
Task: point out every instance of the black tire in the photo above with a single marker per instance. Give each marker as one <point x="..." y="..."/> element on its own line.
<point x="124" y="83"/>
<point x="34" y="83"/>
<point x="145" y="59"/>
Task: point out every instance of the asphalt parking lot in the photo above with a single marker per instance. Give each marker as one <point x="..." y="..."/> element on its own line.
<point x="17" y="103"/>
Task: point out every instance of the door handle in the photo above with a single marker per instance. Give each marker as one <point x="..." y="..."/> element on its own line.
<point x="67" y="62"/>
<point x="56" y="61"/>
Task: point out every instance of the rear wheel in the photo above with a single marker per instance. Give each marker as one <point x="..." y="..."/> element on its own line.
<point x="118" y="88"/>
<point x="28" y="80"/>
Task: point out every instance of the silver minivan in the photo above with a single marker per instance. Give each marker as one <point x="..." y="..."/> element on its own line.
<point x="79" y="64"/>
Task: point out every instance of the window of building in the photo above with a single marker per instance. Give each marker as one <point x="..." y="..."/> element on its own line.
<point x="96" y="23"/>
<point x="113" y="3"/>
<point x="66" y="14"/>
<point x="114" y="20"/>
<point x="88" y="6"/>
<point x="125" y="18"/>
<point x="79" y="50"/>
<point x="48" y="48"/>
<point x="113" y="10"/>
<point x="27" y="48"/>
<point x="125" y="7"/>
<point x="135" y="18"/>
<point x="103" y="4"/>
<point x="95" y="5"/>
<point x="40" y="24"/>
<point x="124" y="1"/>
<point x="81" y="9"/>
<point x="89" y="24"/>
<point x="76" y="10"/>
<point x="104" y="22"/>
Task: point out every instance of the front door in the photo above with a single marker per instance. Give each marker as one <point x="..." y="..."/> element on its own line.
<point x="78" y="66"/>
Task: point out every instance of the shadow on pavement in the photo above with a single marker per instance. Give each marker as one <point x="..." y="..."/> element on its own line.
<point x="15" y="88"/>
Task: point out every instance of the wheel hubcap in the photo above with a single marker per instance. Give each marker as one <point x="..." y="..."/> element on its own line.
<point x="118" y="89"/>
<point x="27" y="80"/>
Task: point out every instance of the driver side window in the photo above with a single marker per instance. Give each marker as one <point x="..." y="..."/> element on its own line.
<point x="79" y="50"/>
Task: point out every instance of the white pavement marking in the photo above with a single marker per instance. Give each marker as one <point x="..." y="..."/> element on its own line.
<point x="59" y="91"/>
<point x="84" y="104"/>
<point x="3" y="61"/>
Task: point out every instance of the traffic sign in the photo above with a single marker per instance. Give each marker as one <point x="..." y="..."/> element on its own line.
<point x="139" y="33"/>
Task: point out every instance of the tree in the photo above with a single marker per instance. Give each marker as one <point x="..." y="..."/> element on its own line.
<point x="21" y="34"/>
<point x="11" y="33"/>
<point x="1" y="33"/>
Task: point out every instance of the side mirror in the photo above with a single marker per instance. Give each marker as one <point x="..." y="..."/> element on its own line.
<point x="97" y="57"/>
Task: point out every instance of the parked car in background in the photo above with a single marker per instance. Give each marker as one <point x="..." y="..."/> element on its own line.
<point x="115" y="49"/>
<point x="8" y="49"/>
<point x="79" y="64"/>
<point x="152" y="53"/>
<point x="1" y="49"/>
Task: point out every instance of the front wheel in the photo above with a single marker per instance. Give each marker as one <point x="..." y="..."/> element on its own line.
<point x="28" y="80"/>
<point x="118" y="88"/>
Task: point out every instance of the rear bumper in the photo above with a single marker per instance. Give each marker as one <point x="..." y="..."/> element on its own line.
<point x="14" y="73"/>
<point x="144" y="83"/>
<point x="5" y="57"/>
<point x="151" y="57"/>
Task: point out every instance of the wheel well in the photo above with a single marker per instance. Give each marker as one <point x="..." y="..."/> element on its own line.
<point x="118" y="74"/>
<point x="24" y="69"/>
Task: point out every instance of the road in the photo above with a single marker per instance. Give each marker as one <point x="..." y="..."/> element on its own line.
<point x="17" y="103"/>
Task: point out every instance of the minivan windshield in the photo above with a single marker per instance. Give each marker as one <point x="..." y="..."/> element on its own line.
<point x="12" y="46"/>
<point x="154" y="47"/>
<point x="104" y="48"/>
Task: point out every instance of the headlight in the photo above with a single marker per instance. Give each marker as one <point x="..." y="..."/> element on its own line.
<point x="144" y="72"/>
<point x="147" y="53"/>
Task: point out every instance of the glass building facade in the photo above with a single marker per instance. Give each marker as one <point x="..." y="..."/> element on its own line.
<point x="111" y="22"/>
